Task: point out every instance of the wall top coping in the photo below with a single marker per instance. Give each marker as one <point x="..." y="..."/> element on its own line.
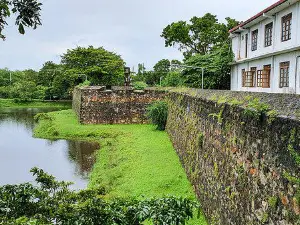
<point x="286" y="105"/>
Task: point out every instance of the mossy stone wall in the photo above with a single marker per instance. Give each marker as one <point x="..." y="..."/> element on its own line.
<point x="119" y="105"/>
<point x="241" y="155"/>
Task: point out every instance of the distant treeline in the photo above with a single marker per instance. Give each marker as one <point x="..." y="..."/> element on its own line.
<point x="57" y="81"/>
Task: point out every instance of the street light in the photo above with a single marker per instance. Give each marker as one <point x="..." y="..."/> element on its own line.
<point x="193" y="67"/>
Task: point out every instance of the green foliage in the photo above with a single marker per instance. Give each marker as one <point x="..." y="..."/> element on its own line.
<point x="139" y="85"/>
<point x="135" y="160"/>
<point x="4" y="92"/>
<point x="157" y="112"/>
<point x="273" y="201"/>
<point x="27" y="14"/>
<point x="101" y="66"/>
<point x="173" y="79"/>
<point x="160" y="70"/>
<point x="272" y="114"/>
<point x="86" y="83"/>
<point x="51" y="200"/>
<point x="199" y="36"/>
<point x="216" y="69"/>
<point x="15" y="103"/>
<point x="24" y="90"/>
<point x="255" y="108"/>
<point x="291" y="147"/>
<point x="205" y="43"/>
<point x="57" y="81"/>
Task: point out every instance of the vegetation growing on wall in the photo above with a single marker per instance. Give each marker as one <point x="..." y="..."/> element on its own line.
<point x="157" y="112"/>
<point x="240" y="149"/>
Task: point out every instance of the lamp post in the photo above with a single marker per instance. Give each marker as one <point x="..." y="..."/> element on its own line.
<point x="192" y="67"/>
<point x="160" y="80"/>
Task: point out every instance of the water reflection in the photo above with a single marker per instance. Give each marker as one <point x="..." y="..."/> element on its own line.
<point x="19" y="151"/>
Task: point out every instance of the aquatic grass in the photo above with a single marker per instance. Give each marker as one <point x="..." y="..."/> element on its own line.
<point x="10" y="103"/>
<point x="134" y="160"/>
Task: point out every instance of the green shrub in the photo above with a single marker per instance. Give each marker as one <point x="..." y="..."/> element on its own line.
<point x="139" y="85"/>
<point x="86" y="83"/>
<point x="157" y="112"/>
<point x="53" y="202"/>
<point x="4" y="92"/>
<point x="173" y="79"/>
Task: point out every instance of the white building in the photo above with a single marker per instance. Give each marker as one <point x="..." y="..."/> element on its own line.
<point x="267" y="50"/>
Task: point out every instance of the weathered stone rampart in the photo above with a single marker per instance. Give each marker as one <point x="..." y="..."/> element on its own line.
<point x="241" y="155"/>
<point x="241" y="151"/>
<point x="120" y="105"/>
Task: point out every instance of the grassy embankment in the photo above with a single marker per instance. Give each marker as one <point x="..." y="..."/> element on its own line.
<point x="10" y="103"/>
<point x="134" y="160"/>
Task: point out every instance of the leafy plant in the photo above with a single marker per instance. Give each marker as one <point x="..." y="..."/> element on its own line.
<point x="52" y="202"/>
<point x="86" y="83"/>
<point x="27" y="14"/>
<point x="173" y="79"/>
<point x="157" y="112"/>
<point x="139" y="85"/>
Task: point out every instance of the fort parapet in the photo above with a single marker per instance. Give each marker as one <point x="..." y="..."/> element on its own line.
<point x="240" y="151"/>
<point x="120" y="105"/>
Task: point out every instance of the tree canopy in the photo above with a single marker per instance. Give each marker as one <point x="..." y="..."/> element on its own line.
<point x="102" y="67"/>
<point x="27" y="14"/>
<point x="198" y="36"/>
<point x="205" y="43"/>
<point x="216" y="67"/>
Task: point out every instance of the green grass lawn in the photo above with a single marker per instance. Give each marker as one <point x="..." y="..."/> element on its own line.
<point x="134" y="160"/>
<point x="10" y="103"/>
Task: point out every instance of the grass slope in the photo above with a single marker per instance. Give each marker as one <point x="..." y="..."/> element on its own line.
<point x="10" y="103"/>
<point x="134" y="160"/>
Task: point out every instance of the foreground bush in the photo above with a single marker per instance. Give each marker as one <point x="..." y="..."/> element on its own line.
<point x="52" y="202"/>
<point x="157" y="112"/>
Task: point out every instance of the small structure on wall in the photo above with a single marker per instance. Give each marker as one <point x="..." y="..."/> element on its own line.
<point x="120" y="105"/>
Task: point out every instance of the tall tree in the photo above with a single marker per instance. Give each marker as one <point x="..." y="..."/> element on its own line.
<point x="160" y="70"/>
<point x="101" y="66"/>
<point x="27" y="14"/>
<point x="216" y="67"/>
<point x="199" y="36"/>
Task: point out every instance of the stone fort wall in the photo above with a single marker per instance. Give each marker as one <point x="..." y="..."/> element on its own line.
<point x="120" y="105"/>
<point x="241" y="151"/>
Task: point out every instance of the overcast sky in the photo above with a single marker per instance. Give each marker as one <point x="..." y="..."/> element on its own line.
<point x="130" y="28"/>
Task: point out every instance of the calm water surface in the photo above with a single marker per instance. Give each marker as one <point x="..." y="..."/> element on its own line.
<point x="19" y="151"/>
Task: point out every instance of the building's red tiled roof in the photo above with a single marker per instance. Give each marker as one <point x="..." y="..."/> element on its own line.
<point x="258" y="15"/>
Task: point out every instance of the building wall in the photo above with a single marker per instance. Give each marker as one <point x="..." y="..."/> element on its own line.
<point x="96" y="105"/>
<point x="239" y="45"/>
<point x="274" y="61"/>
<point x="240" y="164"/>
